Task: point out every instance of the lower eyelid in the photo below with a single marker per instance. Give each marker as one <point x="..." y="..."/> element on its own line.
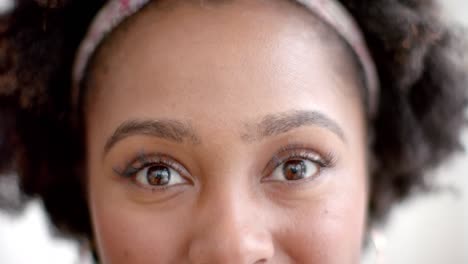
<point x="145" y="195"/>
<point x="294" y="183"/>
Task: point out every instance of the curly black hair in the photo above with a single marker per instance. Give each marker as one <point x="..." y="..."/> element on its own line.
<point x="421" y="64"/>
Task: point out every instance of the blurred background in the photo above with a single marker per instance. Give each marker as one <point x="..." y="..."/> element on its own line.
<point x="430" y="229"/>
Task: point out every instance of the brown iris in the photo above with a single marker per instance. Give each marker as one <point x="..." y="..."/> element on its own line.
<point x="294" y="170"/>
<point x="158" y="175"/>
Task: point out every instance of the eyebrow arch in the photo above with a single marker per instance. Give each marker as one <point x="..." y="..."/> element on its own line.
<point x="279" y="123"/>
<point x="169" y="129"/>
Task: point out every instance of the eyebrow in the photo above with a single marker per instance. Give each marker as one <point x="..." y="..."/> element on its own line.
<point x="275" y="124"/>
<point x="179" y="131"/>
<point x="170" y="129"/>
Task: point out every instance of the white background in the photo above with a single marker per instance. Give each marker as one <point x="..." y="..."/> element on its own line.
<point x="431" y="229"/>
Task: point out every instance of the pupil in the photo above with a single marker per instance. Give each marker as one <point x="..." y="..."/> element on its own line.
<point x="294" y="170"/>
<point x="158" y="175"/>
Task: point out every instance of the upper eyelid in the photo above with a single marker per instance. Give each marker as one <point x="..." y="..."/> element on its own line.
<point x="146" y="160"/>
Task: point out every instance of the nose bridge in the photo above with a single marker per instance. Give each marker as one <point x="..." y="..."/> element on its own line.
<point x="228" y="229"/>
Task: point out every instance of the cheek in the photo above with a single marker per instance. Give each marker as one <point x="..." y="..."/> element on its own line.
<point x="126" y="233"/>
<point x="329" y="229"/>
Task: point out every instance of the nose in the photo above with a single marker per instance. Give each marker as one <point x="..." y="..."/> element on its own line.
<point x="230" y="228"/>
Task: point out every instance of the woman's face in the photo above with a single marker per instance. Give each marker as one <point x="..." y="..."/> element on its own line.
<point x="226" y="134"/>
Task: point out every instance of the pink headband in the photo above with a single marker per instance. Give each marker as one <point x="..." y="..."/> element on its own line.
<point x="330" y="11"/>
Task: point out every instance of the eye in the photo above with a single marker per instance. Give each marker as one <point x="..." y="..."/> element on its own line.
<point x="295" y="169"/>
<point x="298" y="162"/>
<point x="155" y="171"/>
<point x="158" y="175"/>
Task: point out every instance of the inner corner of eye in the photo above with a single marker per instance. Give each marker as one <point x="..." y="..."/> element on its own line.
<point x="117" y="170"/>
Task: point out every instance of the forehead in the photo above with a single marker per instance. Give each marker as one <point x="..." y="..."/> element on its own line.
<point x="264" y="23"/>
<point x="237" y="59"/>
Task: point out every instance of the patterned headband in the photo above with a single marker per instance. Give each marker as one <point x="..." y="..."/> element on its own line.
<point x="330" y="11"/>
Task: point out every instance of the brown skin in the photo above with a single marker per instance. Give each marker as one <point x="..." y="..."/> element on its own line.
<point x="222" y="72"/>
